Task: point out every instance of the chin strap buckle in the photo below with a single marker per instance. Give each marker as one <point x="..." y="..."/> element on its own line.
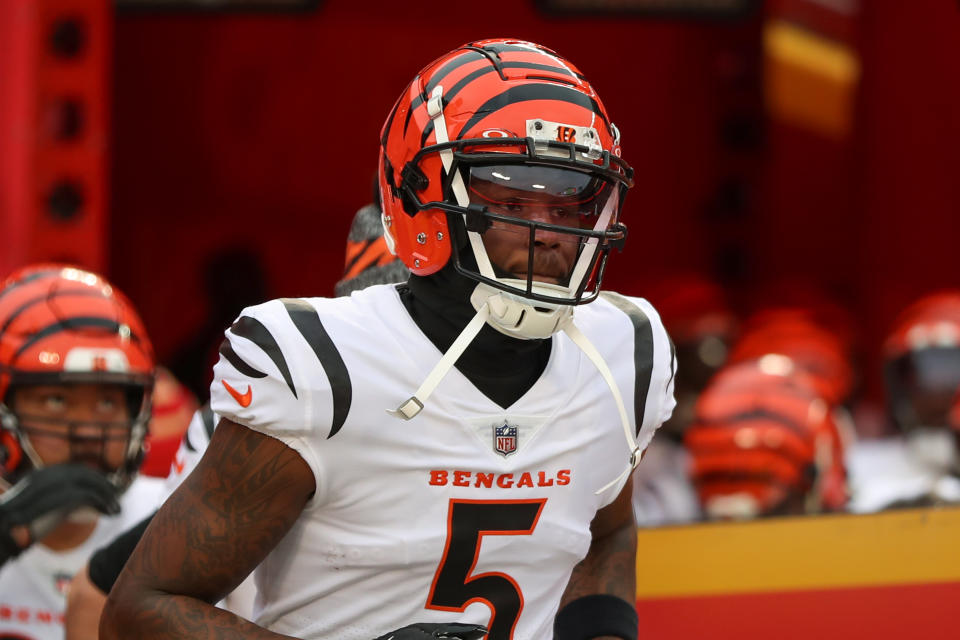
<point x="408" y="409"/>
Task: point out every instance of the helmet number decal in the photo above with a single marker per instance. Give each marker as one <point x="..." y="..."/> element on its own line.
<point x="546" y="131"/>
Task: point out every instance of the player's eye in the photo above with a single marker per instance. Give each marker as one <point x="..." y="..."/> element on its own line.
<point x="106" y="405"/>
<point x="54" y="402"/>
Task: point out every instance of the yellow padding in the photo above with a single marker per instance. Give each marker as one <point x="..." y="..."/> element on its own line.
<point x="810" y="81"/>
<point x="901" y="547"/>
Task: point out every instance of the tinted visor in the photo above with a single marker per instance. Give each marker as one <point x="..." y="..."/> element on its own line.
<point x="923" y="385"/>
<point x="552" y="195"/>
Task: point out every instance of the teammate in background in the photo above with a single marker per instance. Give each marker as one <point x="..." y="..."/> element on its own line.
<point x="368" y="261"/>
<point x="173" y="406"/>
<point x="696" y="314"/>
<point x="76" y="372"/>
<point x="920" y="465"/>
<point x="764" y="442"/>
<point x="363" y="508"/>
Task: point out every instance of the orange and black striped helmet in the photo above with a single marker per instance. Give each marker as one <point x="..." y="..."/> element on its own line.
<point x="765" y="441"/>
<point x="60" y="324"/>
<point x="503" y="113"/>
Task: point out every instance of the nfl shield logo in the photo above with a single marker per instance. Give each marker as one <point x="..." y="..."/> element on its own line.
<point x="505" y="439"/>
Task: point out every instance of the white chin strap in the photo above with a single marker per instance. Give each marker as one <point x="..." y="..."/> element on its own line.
<point x="415" y="403"/>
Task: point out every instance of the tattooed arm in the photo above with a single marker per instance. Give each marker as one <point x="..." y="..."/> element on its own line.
<point x="238" y="503"/>
<point x="610" y="565"/>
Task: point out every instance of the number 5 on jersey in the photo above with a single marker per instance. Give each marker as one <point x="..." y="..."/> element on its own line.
<point x="454" y="588"/>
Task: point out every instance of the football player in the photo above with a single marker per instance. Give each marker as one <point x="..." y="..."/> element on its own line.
<point x="764" y="442"/>
<point x="919" y="465"/>
<point x="449" y="457"/>
<point x="696" y="313"/>
<point x="76" y="371"/>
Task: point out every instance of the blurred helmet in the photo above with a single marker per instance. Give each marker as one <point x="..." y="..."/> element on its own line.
<point x="480" y="134"/>
<point x="701" y="324"/>
<point x="764" y="441"/>
<point x="368" y="260"/>
<point x="816" y="350"/>
<point x="922" y="362"/>
<point x="61" y="325"/>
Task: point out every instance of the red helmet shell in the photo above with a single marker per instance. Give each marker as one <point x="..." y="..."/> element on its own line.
<point x="932" y="321"/>
<point x="491" y="89"/>
<point x="59" y="322"/>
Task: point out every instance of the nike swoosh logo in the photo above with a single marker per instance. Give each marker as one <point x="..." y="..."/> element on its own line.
<point x="243" y="399"/>
<point x="178" y="466"/>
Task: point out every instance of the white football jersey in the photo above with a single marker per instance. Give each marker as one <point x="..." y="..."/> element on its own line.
<point x="885" y="472"/>
<point x="468" y="512"/>
<point x="194" y="443"/>
<point x="33" y="585"/>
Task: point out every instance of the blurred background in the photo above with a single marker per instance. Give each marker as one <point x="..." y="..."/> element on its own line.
<point x="813" y="142"/>
<point x="796" y="192"/>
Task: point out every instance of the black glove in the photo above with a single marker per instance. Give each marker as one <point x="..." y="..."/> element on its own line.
<point x="45" y="497"/>
<point x="430" y="631"/>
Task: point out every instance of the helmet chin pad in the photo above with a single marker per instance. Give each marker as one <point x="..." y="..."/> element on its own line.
<point x="517" y="317"/>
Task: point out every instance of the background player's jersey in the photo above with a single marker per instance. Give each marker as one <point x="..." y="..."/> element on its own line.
<point x="33" y="585"/>
<point x="469" y="512"/>
<point x="884" y="474"/>
<point x="192" y="446"/>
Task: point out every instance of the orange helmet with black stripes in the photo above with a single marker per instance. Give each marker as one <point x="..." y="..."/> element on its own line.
<point x="501" y="113"/>
<point x="765" y="441"/>
<point x="59" y="325"/>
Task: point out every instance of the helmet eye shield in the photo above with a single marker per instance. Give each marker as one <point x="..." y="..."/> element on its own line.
<point x="561" y="197"/>
<point x="585" y="192"/>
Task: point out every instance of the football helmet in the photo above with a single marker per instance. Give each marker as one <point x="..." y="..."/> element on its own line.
<point x="505" y="136"/>
<point x="814" y="348"/>
<point x="61" y="325"/>
<point x="764" y="442"/>
<point x="922" y="362"/>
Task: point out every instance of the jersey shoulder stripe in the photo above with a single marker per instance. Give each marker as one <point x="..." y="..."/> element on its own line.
<point x="642" y="350"/>
<point x="226" y="350"/>
<point x="306" y="319"/>
<point x="255" y="331"/>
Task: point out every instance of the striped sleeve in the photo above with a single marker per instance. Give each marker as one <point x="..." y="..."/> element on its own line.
<point x="654" y="365"/>
<point x="281" y="374"/>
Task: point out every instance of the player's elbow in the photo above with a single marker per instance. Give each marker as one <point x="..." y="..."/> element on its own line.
<point x="126" y="604"/>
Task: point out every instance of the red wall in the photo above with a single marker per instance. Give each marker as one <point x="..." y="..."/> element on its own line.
<point x="262" y="129"/>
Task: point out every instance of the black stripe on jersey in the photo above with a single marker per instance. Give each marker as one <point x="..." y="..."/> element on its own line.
<point x="673" y="363"/>
<point x="254" y="331"/>
<point x="206" y="417"/>
<point x="71" y="324"/>
<point x="533" y="91"/>
<point x="642" y="351"/>
<point x="305" y="318"/>
<point x="226" y="350"/>
<point x="88" y="292"/>
<point x="206" y="414"/>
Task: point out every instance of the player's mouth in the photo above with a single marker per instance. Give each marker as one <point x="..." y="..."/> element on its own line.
<point x="538" y="277"/>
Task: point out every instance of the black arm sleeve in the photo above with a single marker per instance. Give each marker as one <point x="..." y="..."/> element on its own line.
<point x="108" y="561"/>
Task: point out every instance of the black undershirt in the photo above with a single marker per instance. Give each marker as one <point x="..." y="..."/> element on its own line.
<point x="500" y="367"/>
